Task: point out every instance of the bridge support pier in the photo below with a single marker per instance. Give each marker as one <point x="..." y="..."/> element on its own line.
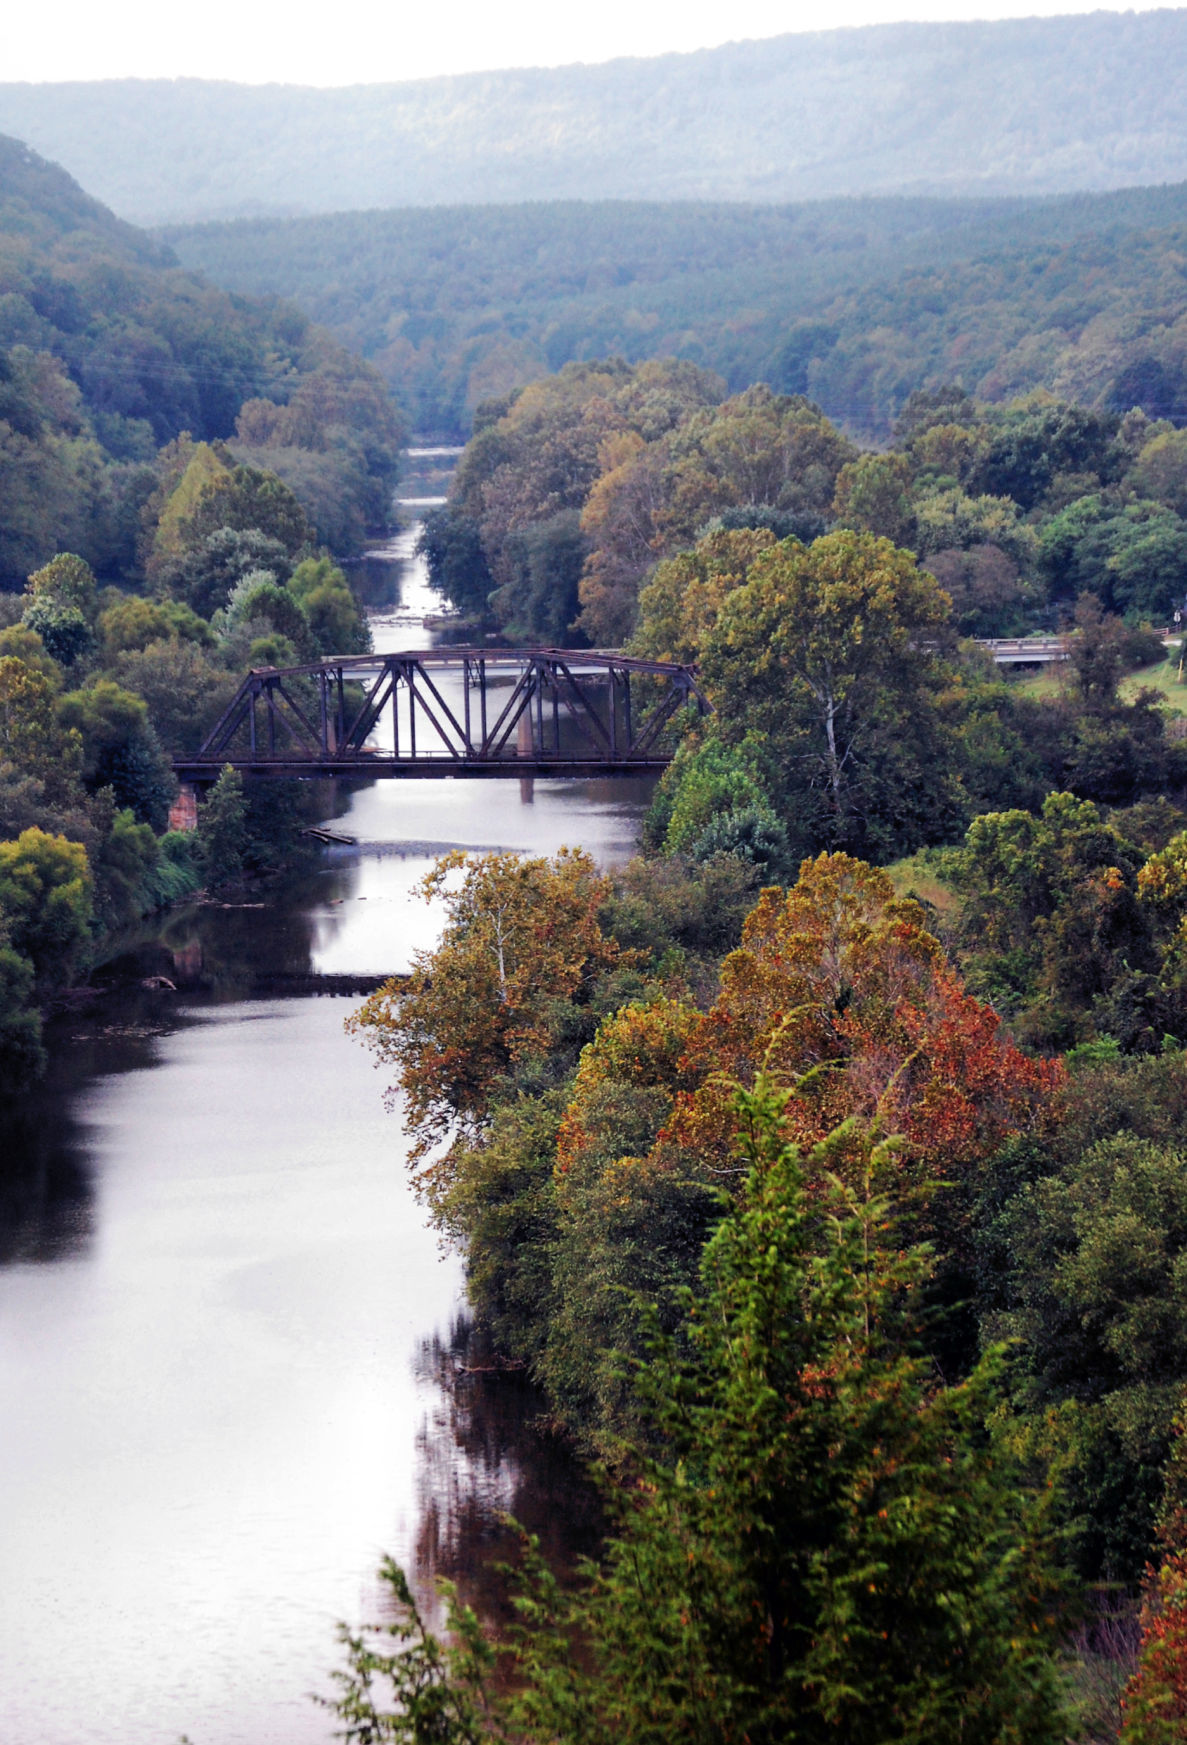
<point x="525" y="747"/>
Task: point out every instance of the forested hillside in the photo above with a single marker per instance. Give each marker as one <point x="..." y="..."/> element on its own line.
<point x="1042" y="104"/>
<point x="824" y="1164"/>
<point x="108" y="350"/>
<point x="176" y="466"/>
<point x="856" y="302"/>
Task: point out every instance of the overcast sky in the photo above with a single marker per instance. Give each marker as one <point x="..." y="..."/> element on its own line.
<point x="310" y="42"/>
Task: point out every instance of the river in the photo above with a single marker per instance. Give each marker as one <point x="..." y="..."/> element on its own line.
<point x="227" y="1333"/>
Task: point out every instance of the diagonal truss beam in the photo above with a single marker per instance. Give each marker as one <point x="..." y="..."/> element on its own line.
<point x="590" y="691"/>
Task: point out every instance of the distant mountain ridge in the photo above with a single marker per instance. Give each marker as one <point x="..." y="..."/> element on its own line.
<point x="1040" y="105"/>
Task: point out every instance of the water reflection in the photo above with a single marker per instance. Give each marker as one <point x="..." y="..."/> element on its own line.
<point x="46" y="1163"/>
<point x="46" y="1189"/>
<point x="489" y="1456"/>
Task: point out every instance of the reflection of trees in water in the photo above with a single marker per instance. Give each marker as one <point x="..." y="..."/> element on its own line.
<point x="209" y="954"/>
<point x="46" y="1192"/>
<point x="46" y="1196"/>
<point x="230" y="952"/>
<point x="486" y="1452"/>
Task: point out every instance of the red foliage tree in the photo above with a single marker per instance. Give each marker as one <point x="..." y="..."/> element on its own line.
<point x="1154" y="1706"/>
<point x="839" y="989"/>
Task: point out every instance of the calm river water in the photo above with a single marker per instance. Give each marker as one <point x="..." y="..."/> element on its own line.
<point x="227" y="1335"/>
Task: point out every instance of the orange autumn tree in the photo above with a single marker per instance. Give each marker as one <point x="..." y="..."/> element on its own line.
<point x="521" y="941"/>
<point x="640" y="1053"/>
<point x="839" y="990"/>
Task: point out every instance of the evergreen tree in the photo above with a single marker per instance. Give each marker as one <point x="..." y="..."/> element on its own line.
<point x="222" y="830"/>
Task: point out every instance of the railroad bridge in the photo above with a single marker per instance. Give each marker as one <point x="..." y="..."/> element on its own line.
<point x="451" y="712"/>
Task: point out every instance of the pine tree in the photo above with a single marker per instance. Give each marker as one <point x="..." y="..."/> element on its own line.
<point x="222" y="829"/>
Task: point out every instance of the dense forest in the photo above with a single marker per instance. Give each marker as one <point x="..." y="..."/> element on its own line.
<point x="177" y="467"/>
<point x="824" y="1165"/>
<point x="1042" y="105"/>
<point x="575" y="486"/>
<point x="856" y="302"/>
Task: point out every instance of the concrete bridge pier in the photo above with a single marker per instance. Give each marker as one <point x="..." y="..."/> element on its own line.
<point x="525" y="746"/>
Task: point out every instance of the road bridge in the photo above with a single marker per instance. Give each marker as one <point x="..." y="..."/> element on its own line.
<point x="451" y="712"/>
<point x="1025" y="650"/>
<point x="1044" y="650"/>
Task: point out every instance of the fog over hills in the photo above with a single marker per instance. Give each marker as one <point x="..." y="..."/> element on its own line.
<point x="1027" y="105"/>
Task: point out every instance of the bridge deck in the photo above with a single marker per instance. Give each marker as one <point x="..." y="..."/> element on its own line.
<point x="437" y="766"/>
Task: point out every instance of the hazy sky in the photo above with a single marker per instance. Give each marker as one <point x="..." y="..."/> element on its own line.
<point x="310" y="42"/>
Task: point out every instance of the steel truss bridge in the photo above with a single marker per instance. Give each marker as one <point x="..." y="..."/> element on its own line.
<point x="451" y="712"/>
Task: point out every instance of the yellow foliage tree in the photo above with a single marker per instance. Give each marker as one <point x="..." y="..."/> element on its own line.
<point x="522" y="939"/>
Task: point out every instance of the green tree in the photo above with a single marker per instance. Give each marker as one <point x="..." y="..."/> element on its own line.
<point x="1131" y="556"/>
<point x="67" y="581"/>
<point x="538" y="602"/>
<point x="259" y="603"/>
<point x="681" y="603"/>
<point x="1096" y="1297"/>
<point x="223" y="831"/>
<point x="247" y="499"/>
<point x="450" y="541"/>
<point x="1051" y="920"/>
<point x="500" y="1205"/>
<point x="185" y="690"/>
<point x="21" y="1054"/>
<point x="121" y="750"/>
<point x="323" y="594"/>
<point x="63" y="629"/>
<point x="950" y="520"/>
<point x="828" y="656"/>
<point x="45" y="905"/>
<point x="873" y="494"/>
<point x="27" y="646"/>
<point x="124" y="866"/>
<point x="204" y="574"/>
<point x="1034" y="442"/>
<point x="713" y="800"/>
<point x="1161" y="470"/>
<point x="31" y="736"/>
<point x="135" y="622"/>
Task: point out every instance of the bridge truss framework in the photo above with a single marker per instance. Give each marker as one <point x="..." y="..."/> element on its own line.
<point x="540" y="711"/>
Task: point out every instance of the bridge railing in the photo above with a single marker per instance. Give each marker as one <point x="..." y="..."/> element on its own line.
<point x="428" y="712"/>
